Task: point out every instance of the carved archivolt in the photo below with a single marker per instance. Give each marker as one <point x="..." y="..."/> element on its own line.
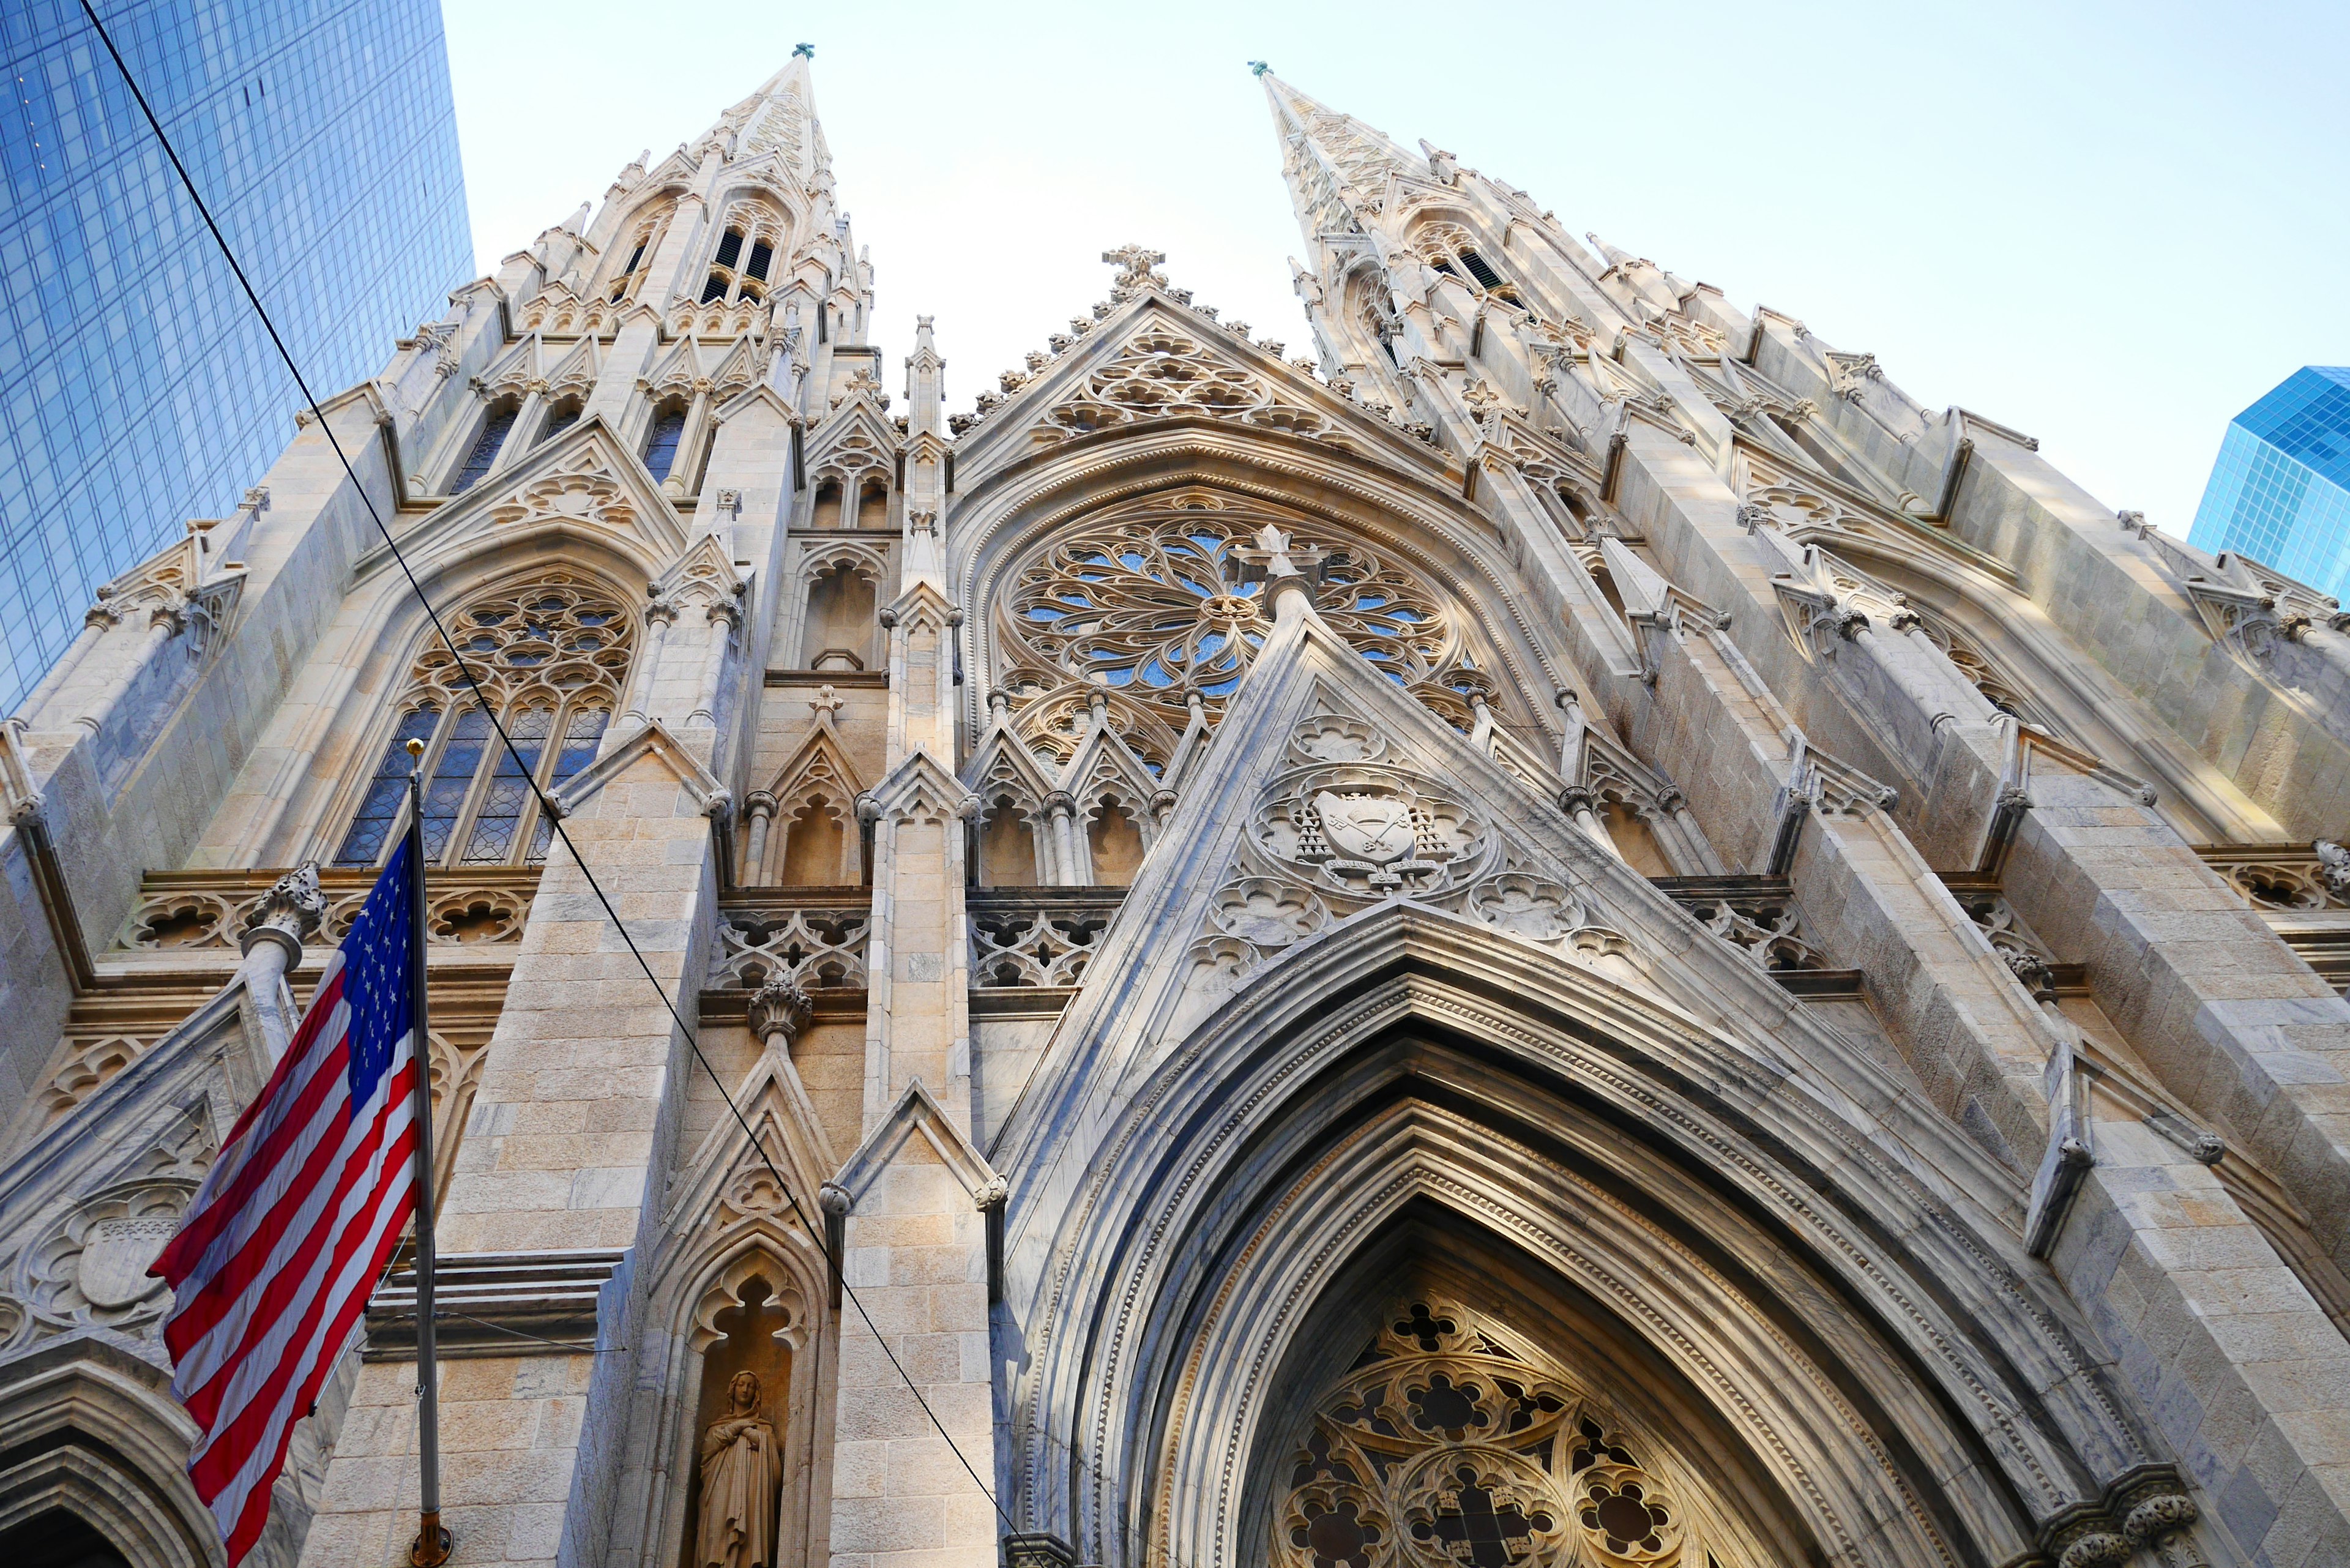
<point x="1441" y="1447"/>
<point x="1154" y="601"/>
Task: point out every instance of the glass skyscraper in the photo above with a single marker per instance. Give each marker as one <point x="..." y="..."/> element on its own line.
<point x="2281" y="490"/>
<point x="137" y="387"/>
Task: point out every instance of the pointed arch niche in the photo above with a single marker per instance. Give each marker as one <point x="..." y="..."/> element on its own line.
<point x="744" y="1293"/>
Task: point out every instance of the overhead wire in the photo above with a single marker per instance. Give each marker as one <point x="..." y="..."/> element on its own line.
<point x="527" y="773"/>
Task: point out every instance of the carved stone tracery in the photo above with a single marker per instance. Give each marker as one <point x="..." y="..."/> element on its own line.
<point x="1442" y="1447"/>
<point x="1155" y="602"/>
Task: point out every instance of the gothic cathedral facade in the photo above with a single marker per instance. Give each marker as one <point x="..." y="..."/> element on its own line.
<point x="1557" y="929"/>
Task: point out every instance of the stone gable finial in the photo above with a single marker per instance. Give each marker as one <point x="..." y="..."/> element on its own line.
<point x="1135" y="265"/>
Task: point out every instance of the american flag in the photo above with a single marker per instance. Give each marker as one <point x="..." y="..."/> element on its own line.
<point x="297" y="1217"/>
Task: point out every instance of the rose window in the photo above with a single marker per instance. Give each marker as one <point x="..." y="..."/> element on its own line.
<point x="1441" y="1447"/>
<point x="1158" y="606"/>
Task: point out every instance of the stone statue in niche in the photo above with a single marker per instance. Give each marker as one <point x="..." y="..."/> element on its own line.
<point x="742" y="1480"/>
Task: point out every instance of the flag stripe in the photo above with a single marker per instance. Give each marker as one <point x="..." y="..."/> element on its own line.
<point x="252" y="1481"/>
<point x="268" y="1225"/>
<point x="279" y="1271"/>
<point x="273" y="1268"/>
<point x="303" y="1082"/>
<point x="247" y="1394"/>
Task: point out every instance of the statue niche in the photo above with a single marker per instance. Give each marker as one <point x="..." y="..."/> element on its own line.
<point x="735" y="1505"/>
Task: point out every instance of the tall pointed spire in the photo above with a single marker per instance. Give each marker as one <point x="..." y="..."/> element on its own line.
<point x="1337" y="165"/>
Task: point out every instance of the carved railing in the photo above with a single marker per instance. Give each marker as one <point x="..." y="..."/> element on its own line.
<point x="814" y="937"/>
<point x="1037" y="938"/>
<point x="190" y="910"/>
<point x="1757" y="916"/>
<point x="2281" y="876"/>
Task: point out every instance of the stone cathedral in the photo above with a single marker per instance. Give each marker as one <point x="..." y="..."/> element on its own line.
<point x="1556" y="930"/>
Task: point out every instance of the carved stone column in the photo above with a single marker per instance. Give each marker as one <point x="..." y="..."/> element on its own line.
<point x="760" y="806"/>
<point x="724" y="617"/>
<point x="1062" y="809"/>
<point x="661" y="614"/>
<point x="166" y="621"/>
<point x="1582" y="805"/>
<point x="272" y="943"/>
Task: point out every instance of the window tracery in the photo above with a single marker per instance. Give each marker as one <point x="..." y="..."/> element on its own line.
<point x="551" y="660"/>
<point x="741" y="266"/>
<point x="1451" y="250"/>
<point x="1153" y="602"/>
<point x="1441" y="1447"/>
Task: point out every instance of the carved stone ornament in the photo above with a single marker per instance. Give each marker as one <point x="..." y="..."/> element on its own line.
<point x="1444" y="1447"/>
<point x="1366" y="830"/>
<point x="293" y="906"/>
<point x="91" y="1268"/>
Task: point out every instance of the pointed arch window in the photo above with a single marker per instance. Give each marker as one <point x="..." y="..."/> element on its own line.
<point x="639" y="252"/>
<point x="560" y="418"/>
<point x="551" y="659"/>
<point x="746" y="249"/>
<point x="1448" y="249"/>
<point x="495" y="427"/>
<point x="660" y="446"/>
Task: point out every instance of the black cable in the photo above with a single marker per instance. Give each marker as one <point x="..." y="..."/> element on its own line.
<point x="528" y="775"/>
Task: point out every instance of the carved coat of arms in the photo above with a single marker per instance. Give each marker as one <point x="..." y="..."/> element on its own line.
<point x="1371" y="836"/>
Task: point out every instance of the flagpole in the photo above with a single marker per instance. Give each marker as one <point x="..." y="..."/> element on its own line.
<point x="432" y="1545"/>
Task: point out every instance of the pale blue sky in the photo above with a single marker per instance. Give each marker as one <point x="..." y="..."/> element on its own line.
<point x="2110" y="225"/>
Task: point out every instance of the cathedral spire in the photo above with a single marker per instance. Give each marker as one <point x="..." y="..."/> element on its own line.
<point x="1336" y="165"/>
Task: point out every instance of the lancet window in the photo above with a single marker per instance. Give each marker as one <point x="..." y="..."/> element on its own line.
<point x="1155" y="602"/>
<point x="746" y="249"/>
<point x="661" y="444"/>
<point x="496" y="425"/>
<point x="559" y="418"/>
<point x="550" y="659"/>
<point x="1451" y="250"/>
<point x="1445" y="1446"/>
<point x="638" y="256"/>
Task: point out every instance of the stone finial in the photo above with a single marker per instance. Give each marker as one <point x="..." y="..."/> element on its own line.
<point x="1135" y="265"/>
<point x="2334" y="866"/>
<point x="779" y="1007"/>
<point x="288" y="913"/>
<point x="834" y="1199"/>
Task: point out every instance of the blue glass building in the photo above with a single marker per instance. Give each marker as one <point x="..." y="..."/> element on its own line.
<point x="136" y="387"/>
<point x="2281" y="490"/>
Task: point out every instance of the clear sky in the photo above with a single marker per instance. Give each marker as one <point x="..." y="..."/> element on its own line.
<point x="2111" y="226"/>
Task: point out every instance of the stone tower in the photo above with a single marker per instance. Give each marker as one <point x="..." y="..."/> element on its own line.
<point x="1561" y="931"/>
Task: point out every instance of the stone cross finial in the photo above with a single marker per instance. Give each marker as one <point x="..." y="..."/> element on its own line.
<point x="1134" y="265"/>
<point x="1258" y="67"/>
<point x="827" y="702"/>
<point x="803" y="51"/>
